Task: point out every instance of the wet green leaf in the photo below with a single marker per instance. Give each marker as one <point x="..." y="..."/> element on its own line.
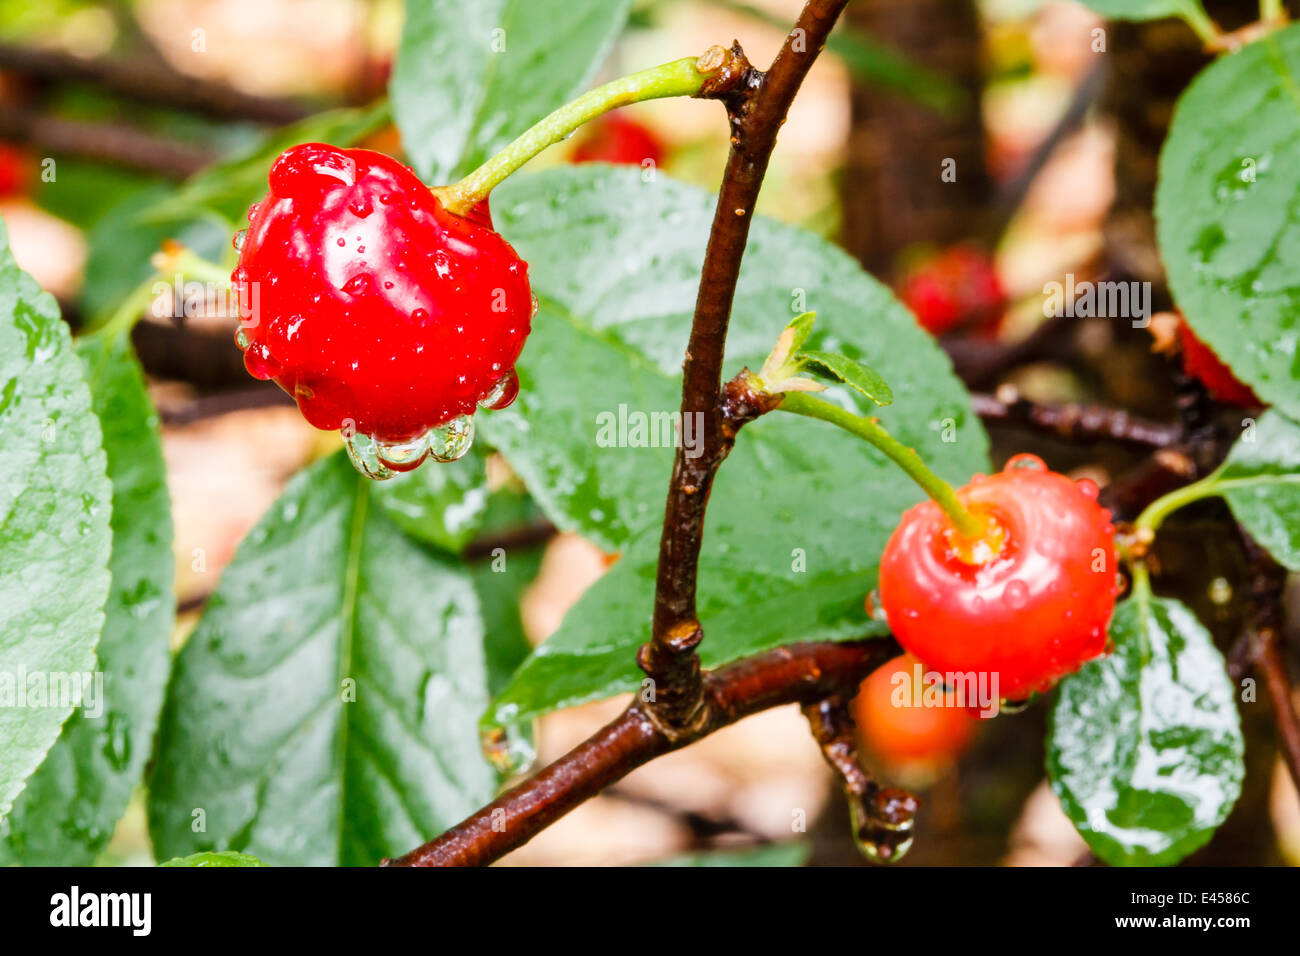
<point x="1261" y="482"/>
<point x="325" y="709"/>
<point x="1226" y="213"/>
<point x="471" y="75"/>
<point x="840" y="368"/>
<point x="779" y="854"/>
<point x="1145" y="748"/>
<point x="55" y="500"/>
<point x="800" y="511"/>
<point x="67" y="812"/>
<point x="1145" y="9"/>
<point x="442" y="504"/>
<point x="215" y="860"/>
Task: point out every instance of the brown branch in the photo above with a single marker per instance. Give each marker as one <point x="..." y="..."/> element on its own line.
<point x="756" y="112"/>
<point x="803" y="673"/>
<point x="882" y="816"/>
<point x="106" y="142"/>
<point x="1074" y="422"/>
<point x="1267" y="583"/>
<point x="148" y="83"/>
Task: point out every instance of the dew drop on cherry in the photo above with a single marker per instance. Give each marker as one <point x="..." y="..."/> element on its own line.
<point x="503" y="393"/>
<point x="1016" y="594"/>
<point x="363" y="451"/>
<point x="451" y="441"/>
<point x="239" y="240"/>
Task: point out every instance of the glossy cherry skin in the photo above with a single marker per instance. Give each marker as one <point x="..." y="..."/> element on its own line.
<point x="617" y="139"/>
<point x="908" y="734"/>
<point x="1200" y="362"/>
<point x="371" y="304"/>
<point x="959" y="286"/>
<point x="1033" y="607"/>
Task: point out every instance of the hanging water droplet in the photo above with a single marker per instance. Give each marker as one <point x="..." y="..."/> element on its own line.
<point x="1220" y="591"/>
<point x="403" y="455"/>
<point x="364" y="453"/>
<point x="535" y="306"/>
<point x="242" y="339"/>
<point x="882" y="823"/>
<point x="503" y="393"/>
<point x="1014" y="706"/>
<point x="509" y="749"/>
<point x="875" y="609"/>
<point x="450" y="441"/>
<point x="239" y="240"/>
<point x="260" y="363"/>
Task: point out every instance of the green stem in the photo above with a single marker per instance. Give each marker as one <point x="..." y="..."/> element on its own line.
<point x="678" y="78"/>
<point x="1211" y="486"/>
<point x="128" y="313"/>
<point x="798" y="403"/>
<point x="1270" y="10"/>
<point x="1200" y="21"/>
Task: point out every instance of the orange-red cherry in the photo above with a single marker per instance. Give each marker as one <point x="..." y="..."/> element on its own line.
<point x="1026" y="606"/>
<point x="901" y="725"/>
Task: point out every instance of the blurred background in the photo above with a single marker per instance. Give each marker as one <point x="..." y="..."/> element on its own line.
<point x="1047" y="122"/>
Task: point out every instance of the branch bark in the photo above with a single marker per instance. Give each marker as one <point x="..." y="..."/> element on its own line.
<point x="803" y="673"/>
<point x="756" y="111"/>
<point x="1075" y="422"/>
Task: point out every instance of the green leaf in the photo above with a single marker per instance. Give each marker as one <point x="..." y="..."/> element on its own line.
<point x="1261" y="481"/>
<point x="55" y="501"/>
<point x="1145" y="748"/>
<point x="442" y="504"/>
<point x="1226" y="213"/>
<point x="471" y="75"/>
<point x="841" y="368"/>
<point x="67" y="812"/>
<point x="778" y="854"/>
<point x="802" y="326"/>
<point x="324" y="710"/>
<point x="793" y="536"/>
<point x="1145" y="9"/>
<point x="215" y="859"/>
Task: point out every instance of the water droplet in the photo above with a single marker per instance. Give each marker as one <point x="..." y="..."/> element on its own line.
<point x="503" y="393"/>
<point x="252" y="210"/>
<point x="1015" y="594"/>
<point x="260" y="363"/>
<point x="882" y="823"/>
<point x="403" y="455"/>
<point x="1014" y="706"/>
<point x="117" y="743"/>
<point x="451" y="441"/>
<point x="364" y="453"/>
<point x="360" y="207"/>
<point x="534" y="306"/>
<point x="357" y="284"/>
<point x="1025" y="461"/>
<point x="1088" y="488"/>
<point x="874" y="607"/>
<point x="240" y="237"/>
<point x="509" y="749"/>
<point x="1220" y="591"/>
<point x="242" y="339"/>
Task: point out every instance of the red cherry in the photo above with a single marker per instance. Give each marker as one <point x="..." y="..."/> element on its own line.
<point x="957" y="286"/>
<point x="13" y="171"/>
<point x="617" y="139"/>
<point x="1033" y="603"/>
<point x="1200" y="362"/>
<point x="899" y="730"/>
<point x="377" y="309"/>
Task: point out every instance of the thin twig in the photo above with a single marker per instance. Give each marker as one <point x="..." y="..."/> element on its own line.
<point x="756" y="112"/>
<point x="147" y="83"/>
<point x="106" y="142"/>
<point x="1073" y="421"/>
<point x="1266" y="622"/>
<point x="803" y="673"/>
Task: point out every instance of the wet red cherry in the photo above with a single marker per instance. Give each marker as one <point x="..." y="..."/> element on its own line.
<point x="377" y="309"/>
<point x="900" y="725"/>
<point x="959" y="286"/>
<point x="1029" y="604"/>
<point x="617" y="139"/>
<point x="1200" y="362"/>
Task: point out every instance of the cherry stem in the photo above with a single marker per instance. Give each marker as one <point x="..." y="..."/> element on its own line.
<point x="1271" y="10"/>
<point x="1196" y="18"/>
<point x="967" y="525"/>
<point x="684" y="77"/>
<point x="179" y="260"/>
